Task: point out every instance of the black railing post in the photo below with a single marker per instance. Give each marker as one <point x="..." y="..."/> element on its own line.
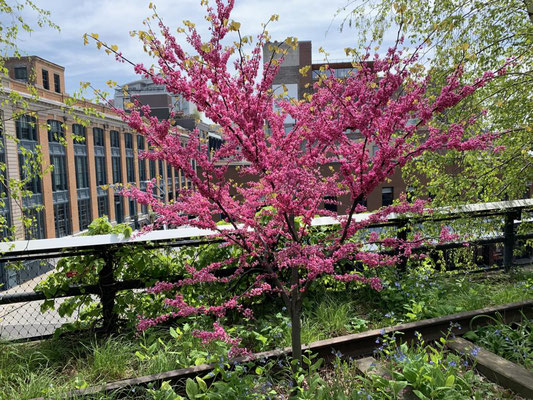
<point x="509" y="238"/>
<point x="401" y="234"/>
<point x="106" y="285"/>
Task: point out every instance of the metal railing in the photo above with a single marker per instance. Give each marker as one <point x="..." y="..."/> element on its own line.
<point x="20" y="316"/>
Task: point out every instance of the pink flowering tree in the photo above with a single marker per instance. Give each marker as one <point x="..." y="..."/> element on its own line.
<point x="284" y="176"/>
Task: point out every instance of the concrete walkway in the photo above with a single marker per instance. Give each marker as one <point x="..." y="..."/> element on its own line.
<point x="25" y="320"/>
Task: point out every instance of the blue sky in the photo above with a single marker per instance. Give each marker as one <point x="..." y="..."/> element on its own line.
<point x="114" y="19"/>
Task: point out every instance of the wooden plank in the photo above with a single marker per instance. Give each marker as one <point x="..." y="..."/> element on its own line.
<point x="499" y="370"/>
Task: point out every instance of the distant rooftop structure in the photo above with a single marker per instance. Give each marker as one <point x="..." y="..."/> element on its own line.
<point x="161" y="102"/>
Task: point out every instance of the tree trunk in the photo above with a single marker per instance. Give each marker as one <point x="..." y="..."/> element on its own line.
<point x="296" y="332"/>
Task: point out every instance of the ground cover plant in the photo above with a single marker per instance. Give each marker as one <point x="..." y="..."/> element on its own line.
<point x="420" y="370"/>
<point x="513" y="342"/>
<point x="52" y="367"/>
<point x="283" y="178"/>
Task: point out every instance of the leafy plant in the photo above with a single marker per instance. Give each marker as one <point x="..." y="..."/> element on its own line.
<point x="513" y="342"/>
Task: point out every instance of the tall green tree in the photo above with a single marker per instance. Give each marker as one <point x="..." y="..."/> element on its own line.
<point x="480" y="35"/>
<point x="16" y="18"/>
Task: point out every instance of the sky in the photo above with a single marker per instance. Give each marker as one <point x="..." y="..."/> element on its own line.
<point x="113" y="20"/>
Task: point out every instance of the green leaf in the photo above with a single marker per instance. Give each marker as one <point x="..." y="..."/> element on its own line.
<point x="201" y="384"/>
<point x="450" y="381"/>
<point x="420" y="395"/>
<point x="191" y="388"/>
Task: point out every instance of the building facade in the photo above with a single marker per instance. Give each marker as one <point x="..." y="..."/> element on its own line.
<point x="297" y="85"/>
<point x="85" y="158"/>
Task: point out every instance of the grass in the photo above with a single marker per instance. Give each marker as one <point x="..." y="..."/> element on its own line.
<point x="51" y="367"/>
<point x="513" y="342"/>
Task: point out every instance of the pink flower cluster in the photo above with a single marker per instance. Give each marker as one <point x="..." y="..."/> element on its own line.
<point x="220" y="334"/>
<point x="281" y="177"/>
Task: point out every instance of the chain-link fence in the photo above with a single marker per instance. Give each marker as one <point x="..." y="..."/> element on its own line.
<point x="20" y="304"/>
<point x="22" y="320"/>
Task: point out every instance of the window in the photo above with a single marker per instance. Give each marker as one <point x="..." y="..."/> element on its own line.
<point x="26" y="128"/>
<point x="55" y="131"/>
<point x="103" y="206"/>
<point x="115" y="140"/>
<point x="117" y="171"/>
<point x="330" y="203"/>
<point x="46" y="80"/>
<point x="133" y="207"/>
<point x="21" y="73"/>
<point x="101" y="175"/>
<point x="119" y="209"/>
<point x="84" y="213"/>
<point x="130" y="169"/>
<point x="36" y="229"/>
<point x="29" y="175"/>
<point x="98" y="136"/>
<point x="82" y="172"/>
<point x="140" y="143"/>
<point x="128" y="140"/>
<point x="57" y="83"/>
<point x="169" y="172"/>
<point x="59" y="173"/>
<point x="387" y="196"/>
<point x="62" y="219"/>
<point x="142" y="170"/>
<point x="79" y="130"/>
<point x="152" y="169"/>
<point x="160" y="162"/>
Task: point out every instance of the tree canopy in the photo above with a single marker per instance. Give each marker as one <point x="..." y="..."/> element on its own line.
<point x="479" y="35"/>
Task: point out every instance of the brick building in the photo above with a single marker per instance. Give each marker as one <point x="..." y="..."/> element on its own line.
<point x="86" y="172"/>
<point x="297" y="85"/>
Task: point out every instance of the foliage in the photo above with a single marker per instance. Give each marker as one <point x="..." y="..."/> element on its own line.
<point x="478" y="35"/>
<point x="70" y="361"/>
<point x="429" y="370"/>
<point x="284" y="174"/>
<point x="143" y="264"/>
<point x="425" y="293"/>
<point x="13" y="23"/>
<point x="513" y="342"/>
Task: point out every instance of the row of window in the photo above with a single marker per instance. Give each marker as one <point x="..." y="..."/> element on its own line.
<point x="21" y="74"/>
<point x="26" y="130"/>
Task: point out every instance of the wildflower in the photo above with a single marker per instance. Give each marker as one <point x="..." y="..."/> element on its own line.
<point x="475" y="351"/>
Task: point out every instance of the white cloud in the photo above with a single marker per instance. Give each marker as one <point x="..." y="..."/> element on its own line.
<point x="113" y="19"/>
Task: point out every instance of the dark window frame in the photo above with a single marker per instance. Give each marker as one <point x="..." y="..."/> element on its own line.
<point x="59" y="172"/>
<point x="24" y="76"/>
<point x="55" y="130"/>
<point x="98" y="137"/>
<point x="46" y="79"/>
<point x="84" y="213"/>
<point x="26" y="128"/>
<point x="114" y="139"/>
<point x="387" y="196"/>
<point x="57" y="83"/>
<point x="62" y="219"/>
